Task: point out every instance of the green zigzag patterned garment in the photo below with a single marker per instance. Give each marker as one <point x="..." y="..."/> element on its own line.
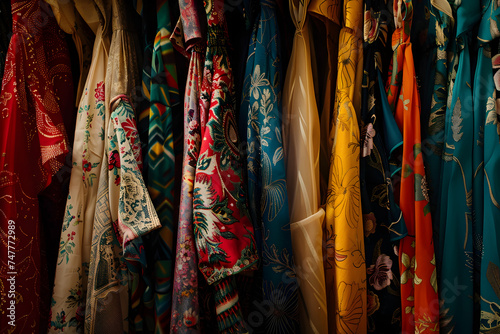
<point x="161" y="166"/>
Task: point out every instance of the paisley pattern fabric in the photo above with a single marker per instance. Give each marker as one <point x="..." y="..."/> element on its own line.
<point x="301" y="146"/>
<point x="37" y="88"/>
<point x="267" y="194"/>
<point x="186" y="301"/>
<point x="417" y="263"/>
<point x="345" y="266"/>
<point x="223" y="231"/>
<point x="220" y="211"/>
<point x="382" y="219"/>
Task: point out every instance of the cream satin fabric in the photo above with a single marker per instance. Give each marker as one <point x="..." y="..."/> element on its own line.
<point x="301" y="141"/>
<point x="329" y="13"/>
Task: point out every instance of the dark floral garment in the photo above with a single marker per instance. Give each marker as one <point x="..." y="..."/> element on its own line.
<point x="382" y="218"/>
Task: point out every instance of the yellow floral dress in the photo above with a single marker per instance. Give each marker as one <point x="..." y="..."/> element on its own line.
<point x="344" y="262"/>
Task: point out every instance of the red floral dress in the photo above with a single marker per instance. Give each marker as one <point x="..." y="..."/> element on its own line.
<point x="223" y="232"/>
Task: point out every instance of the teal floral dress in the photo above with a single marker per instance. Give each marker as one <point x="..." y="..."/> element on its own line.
<point x="437" y="73"/>
<point x="459" y="208"/>
<point x="490" y="259"/>
<point x="267" y="193"/>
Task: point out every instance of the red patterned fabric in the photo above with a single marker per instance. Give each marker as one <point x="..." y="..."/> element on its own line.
<point x="37" y="86"/>
<point x="222" y="228"/>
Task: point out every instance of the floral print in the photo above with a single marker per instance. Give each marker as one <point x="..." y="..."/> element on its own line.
<point x="219" y="206"/>
<point x="267" y="193"/>
<point x="346" y="274"/>
<point x="369" y="224"/>
<point x="380" y="272"/>
<point x="223" y="232"/>
<point x="382" y="218"/>
<point x="124" y="214"/>
<point x="373" y="303"/>
<point x="418" y="295"/>
<point x="350" y="309"/>
<point x="186" y="301"/>
<point x="88" y="152"/>
<point x="99" y="92"/>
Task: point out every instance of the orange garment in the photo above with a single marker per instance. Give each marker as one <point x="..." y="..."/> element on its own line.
<point x="419" y="298"/>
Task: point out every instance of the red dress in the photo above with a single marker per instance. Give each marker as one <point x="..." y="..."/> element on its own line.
<point x="36" y="87"/>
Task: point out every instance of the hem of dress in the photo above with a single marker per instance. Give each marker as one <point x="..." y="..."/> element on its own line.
<point x="226" y="272"/>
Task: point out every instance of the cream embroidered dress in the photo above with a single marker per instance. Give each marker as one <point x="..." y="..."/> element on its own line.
<point x="108" y="205"/>
<point x="70" y="285"/>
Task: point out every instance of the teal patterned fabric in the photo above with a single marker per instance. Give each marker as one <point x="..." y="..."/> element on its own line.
<point x="161" y="167"/>
<point x="434" y="73"/>
<point x="490" y="120"/>
<point x="268" y="201"/>
<point x="457" y="238"/>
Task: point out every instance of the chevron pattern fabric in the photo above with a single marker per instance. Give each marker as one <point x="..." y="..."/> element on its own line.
<point x="164" y="95"/>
